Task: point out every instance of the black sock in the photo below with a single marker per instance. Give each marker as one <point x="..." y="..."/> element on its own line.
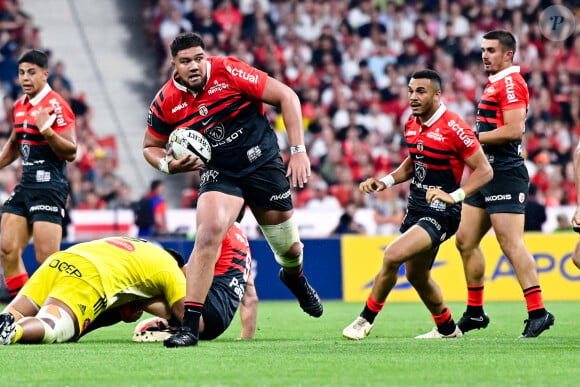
<point x="537" y="313"/>
<point x="191" y="316"/>
<point x="447" y="327"/>
<point x="369" y="315"/>
<point x="297" y="279"/>
<point x="474" y="310"/>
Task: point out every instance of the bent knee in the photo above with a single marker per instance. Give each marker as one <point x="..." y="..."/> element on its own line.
<point x="418" y="280"/>
<point x="294" y="251"/>
<point x="465" y="244"/>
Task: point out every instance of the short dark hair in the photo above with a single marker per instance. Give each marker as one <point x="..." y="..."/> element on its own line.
<point x="177" y="256"/>
<point x="432" y="75"/>
<point x="35" y="57"/>
<point x="184" y="41"/>
<point x="506" y="39"/>
<point x="156" y="183"/>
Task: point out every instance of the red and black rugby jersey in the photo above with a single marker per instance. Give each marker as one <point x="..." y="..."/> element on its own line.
<point x="506" y="90"/>
<point x="228" y="111"/>
<point x="235" y="253"/>
<point x="438" y="150"/>
<point x="41" y="167"/>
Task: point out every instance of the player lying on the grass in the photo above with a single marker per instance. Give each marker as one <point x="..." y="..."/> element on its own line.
<point x="156" y="329"/>
<point x="99" y="283"/>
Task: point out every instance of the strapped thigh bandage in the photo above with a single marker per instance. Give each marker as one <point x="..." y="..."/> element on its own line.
<point x="281" y="237"/>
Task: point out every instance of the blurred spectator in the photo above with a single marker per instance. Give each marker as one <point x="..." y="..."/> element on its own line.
<point x="388" y="210"/>
<point x="123" y="198"/>
<point x="173" y="23"/>
<point x="535" y="211"/>
<point x="151" y="212"/>
<point x="92" y="201"/>
<point x="347" y="223"/>
<point x="228" y="17"/>
<point x="322" y="199"/>
<point x="541" y="179"/>
<point x="563" y="223"/>
<point x="58" y="72"/>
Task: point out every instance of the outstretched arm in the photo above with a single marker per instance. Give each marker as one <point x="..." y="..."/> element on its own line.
<point x="399" y="175"/>
<point x="249" y="310"/>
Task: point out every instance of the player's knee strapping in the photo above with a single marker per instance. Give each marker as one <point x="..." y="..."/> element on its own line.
<point x="281" y="237"/>
<point x="64" y="328"/>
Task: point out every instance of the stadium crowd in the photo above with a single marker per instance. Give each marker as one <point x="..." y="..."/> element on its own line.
<point x="349" y="61"/>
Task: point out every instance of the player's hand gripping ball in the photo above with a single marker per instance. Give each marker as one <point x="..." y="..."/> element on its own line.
<point x="185" y="141"/>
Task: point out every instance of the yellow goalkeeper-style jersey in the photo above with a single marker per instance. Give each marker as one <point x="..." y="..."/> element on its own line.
<point x="133" y="269"/>
<point x="95" y="276"/>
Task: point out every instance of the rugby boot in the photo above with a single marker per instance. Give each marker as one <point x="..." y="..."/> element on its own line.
<point x="469" y="322"/>
<point x="306" y="295"/>
<point x="535" y="326"/>
<point x="183" y="338"/>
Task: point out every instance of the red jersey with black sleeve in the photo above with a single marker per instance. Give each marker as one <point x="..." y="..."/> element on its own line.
<point x="41" y="167"/>
<point x="506" y="90"/>
<point x="438" y="149"/>
<point x="228" y="111"/>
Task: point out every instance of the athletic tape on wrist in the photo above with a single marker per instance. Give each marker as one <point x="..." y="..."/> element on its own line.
<point x="297" y="149"/>
<point x="458" y="195"/>
<point x="163" y="165"/>
<point x="389" y="181"/>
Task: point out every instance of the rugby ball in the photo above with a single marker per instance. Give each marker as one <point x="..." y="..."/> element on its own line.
<point x="185" y="141"/>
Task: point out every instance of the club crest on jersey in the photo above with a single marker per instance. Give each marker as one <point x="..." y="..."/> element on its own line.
<point x="420" y="171"/>
<point x="25" y="150"/>
<point x="420" y="146"/>
<point x="203" y="110"/>
<point x="522" y="197"/>
<point x="216" y="132"/>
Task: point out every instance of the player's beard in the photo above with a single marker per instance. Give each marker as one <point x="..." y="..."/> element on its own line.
<point x="198" y="85"/>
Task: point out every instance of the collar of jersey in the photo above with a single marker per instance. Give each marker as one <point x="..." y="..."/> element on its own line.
<point x="438" y="113"/>
<point x="504" y="73"/>
<point x="38" y="97"/>
<point x="185" y="89"/>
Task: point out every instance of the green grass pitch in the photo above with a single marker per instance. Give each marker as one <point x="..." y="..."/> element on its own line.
<point x="293" y="349"/>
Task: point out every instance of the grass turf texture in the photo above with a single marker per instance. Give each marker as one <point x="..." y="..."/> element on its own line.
<point x="292" y="349"/>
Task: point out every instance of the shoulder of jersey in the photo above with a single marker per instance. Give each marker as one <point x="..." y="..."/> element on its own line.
<point x="170" y="93"/>
<point x="54" y="94"/>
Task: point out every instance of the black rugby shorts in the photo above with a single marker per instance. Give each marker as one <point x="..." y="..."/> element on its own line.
<point x="507" y="192"/>
<point x="439" y="225"/>
<point x="219" y="310"/>
<point x="47" y="205"/>
<point x="267" y="187"/>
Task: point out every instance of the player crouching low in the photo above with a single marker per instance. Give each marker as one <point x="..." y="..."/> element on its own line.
<point x="99" y="283"/>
